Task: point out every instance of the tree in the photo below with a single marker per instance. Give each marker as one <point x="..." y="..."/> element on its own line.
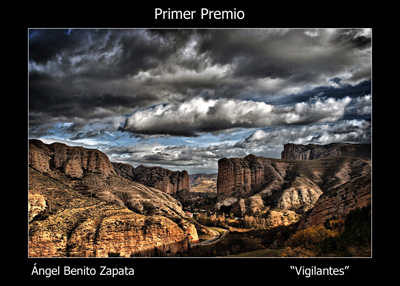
<point x="307" y="238"/>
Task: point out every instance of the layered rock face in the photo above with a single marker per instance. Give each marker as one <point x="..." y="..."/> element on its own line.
<point x="162" y="179"/>
<point x="72" y="161"/>
<point x="95" y="214"/>
<point x="338" y="202"/>
<point x="245" y="176"/>
<point x="254" y="184"/>
<point x="312" y="151"/>
<point x="100" y="232"/>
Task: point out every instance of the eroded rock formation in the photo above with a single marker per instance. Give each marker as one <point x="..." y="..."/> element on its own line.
<point x="245" y="176"/>
<point x="73" y="161"/>
<point x="254" y="184"/>
<point x="162" y="179"/>
<point x="97" y="212"/>
<point x="338" y="202"/>
<point x="313" y="151"/>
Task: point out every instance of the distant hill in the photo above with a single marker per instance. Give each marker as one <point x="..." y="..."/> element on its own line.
<point x="162" y="179"/>
<point x="313" y="151"/>
<point x="203" y="182"/>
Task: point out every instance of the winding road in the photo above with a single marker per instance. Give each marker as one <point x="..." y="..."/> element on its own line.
<point x="216" y="237"/>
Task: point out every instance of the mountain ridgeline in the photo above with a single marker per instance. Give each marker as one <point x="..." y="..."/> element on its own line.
<point x="257" y="185"/>
<point x="165" y="180"/>
<point x="312" y="151"/>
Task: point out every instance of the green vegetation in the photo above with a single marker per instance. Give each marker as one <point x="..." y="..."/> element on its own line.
<point x="355" y="240"/>
<point x="335" y="238"/>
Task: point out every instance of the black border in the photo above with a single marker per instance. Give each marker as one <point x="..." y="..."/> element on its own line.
<point x="197" y="270"/>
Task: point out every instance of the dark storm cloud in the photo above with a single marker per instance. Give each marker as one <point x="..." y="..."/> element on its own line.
<point x="295" y="54"/>
<point x="83" y="76"/>
<point x="45" y="46"/>
<point x="97" y="53"/>
<point x="73" y="75"/>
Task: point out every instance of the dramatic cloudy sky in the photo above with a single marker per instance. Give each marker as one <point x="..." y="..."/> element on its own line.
<point x="183" y="98"/>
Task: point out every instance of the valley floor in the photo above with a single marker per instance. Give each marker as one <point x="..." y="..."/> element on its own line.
<point x="349" y="237"/>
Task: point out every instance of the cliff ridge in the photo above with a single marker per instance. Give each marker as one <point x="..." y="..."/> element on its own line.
<point x="313" y="151"/>
<point x="256" y="185"/>
<point x="159" y="178"/>
<point x="79" y="207"/>
<point x="73" y="161"/>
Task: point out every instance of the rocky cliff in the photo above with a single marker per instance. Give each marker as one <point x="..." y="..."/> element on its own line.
<point x="246" y="176"/>
<point x="162" y="179"/>
<point x="338" y="202"/>
<point x="255" y="185"/>
<point x="73" y="161"/>
<point x="96" y="212"/>
<point x="312" y="151"/>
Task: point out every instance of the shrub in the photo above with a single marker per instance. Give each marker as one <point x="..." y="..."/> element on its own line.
<point x="308" y="237"/>
<point x="355" y="240"/>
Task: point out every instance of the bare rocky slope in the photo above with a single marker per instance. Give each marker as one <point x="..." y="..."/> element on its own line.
<point x="256" y="185"/>
<point x="159" y="178"/>
<point x="79" y="206"/>
<point x="313" y="151"/>
<point x="339" y="201"/>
